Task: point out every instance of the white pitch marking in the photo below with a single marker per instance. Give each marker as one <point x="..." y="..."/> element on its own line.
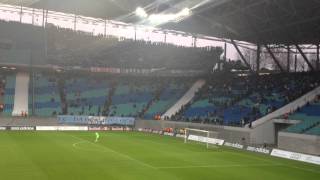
<point x="185" y="167"/>
<point x="219" y="166"/>
<point x="75" y="145"/>
<point x="116" y="152"/>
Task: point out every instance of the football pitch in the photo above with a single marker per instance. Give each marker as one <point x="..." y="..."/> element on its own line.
<point x="134" y="155"/>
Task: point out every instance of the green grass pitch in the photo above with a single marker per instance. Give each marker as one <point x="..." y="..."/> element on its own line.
<point x="133" y="155"/>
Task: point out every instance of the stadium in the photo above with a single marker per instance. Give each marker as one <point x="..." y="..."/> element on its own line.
<point x="159" y="89"/>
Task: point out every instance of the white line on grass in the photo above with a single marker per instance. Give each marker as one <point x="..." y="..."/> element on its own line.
<point x="167" y="167"/>
<point x="186" y="167"/>
<point x="219" y="166"/>
<point x="75" y="145"/>
<point x="116" y="152"/>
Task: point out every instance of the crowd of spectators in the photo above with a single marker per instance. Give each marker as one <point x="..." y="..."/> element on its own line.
<point x="66" y="47"/>
<point x="268" y="91"/>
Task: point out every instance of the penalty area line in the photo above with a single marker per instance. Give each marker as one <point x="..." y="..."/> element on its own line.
<point x="113" y="151"/>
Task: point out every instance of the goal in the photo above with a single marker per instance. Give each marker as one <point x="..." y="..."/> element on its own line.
<point x="209" y="138"/>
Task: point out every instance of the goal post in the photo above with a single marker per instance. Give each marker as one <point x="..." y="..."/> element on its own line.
<point x="202" y="136"/>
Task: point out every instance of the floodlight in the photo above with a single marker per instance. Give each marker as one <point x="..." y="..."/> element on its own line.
<point x="141" y="12"/>
<point x="185" y="12"/>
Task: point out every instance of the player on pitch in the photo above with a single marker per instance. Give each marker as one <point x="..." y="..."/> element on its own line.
<point x="97" y="137"/>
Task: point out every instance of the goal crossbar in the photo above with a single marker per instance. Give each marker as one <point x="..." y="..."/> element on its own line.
<point x="199" y="130"/>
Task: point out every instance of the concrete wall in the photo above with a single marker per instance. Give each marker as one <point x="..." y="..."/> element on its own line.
<point x="264" y="133"/>
<point x="268" y="131"/>
<point x="230" y="134"/>
<point x="302" y="143"/>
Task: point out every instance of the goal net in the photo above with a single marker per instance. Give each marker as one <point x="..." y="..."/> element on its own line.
<point x="209" y="138"/>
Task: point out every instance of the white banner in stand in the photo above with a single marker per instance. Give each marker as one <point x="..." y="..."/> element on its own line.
<point x="62" y="128"/>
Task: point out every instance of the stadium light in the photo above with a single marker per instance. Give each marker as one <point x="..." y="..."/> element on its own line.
<point x="163" y="18"/>
<point x="160" y="18"/>
<point x="185" y="12"/>
<point x="141" y="12"/>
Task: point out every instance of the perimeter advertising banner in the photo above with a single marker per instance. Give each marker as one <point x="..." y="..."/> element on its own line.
<point x="97" y="120"/>
<point x="296" y="156"/>
<point x="3" y="128"/>
<point x="206" y="140"/>
<point x="22" y="128"/>
<point x="98" y="128"/>
<point x="234" y="145"/>
<point x="258" y="149"/>
<point x="17" y="128"/>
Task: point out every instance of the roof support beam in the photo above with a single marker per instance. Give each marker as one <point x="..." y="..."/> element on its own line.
<point x="241" y="55"/>
<point x="288" y="58"/>
<point x="263" y="41"/>
<point x="318" y="58"/>
<point x="274" y="58"/>
<point x="295" y="62"/>
<point x="225" y="52"/>
<point x="258" y="58"/>
<point x="304" y="57"/>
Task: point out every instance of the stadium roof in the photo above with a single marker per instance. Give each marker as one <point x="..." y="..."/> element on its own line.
<point x="257" y="21"/>
<point x="110" y="9"/>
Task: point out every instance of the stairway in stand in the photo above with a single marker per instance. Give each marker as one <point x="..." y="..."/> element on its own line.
<point x="20" y="107"/>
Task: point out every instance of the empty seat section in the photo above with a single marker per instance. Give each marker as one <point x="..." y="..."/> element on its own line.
<point x="86" y="96"/>
<point x="10" y="82"/>
<point x="131" y="98"/>
<point x="46" y="96"/>
<point x="314" y="131"/>
<point x="309" y="116"/>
